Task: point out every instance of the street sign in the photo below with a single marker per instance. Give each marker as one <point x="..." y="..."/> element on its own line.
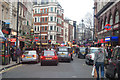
<point x="108" y="27"/>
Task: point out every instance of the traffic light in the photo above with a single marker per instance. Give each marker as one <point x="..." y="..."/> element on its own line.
<point x="49" y="41"/>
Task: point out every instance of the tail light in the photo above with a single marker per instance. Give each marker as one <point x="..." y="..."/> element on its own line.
<point x="23" y="56"/>
<point x="42" y="57"/>
<point x="69" y="54"/>
<point x="90" y="56"/>
<point x="34" y="56"/>
<point x="55" y="57"/>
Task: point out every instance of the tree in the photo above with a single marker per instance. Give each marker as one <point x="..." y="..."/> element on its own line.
<point x="88" y="21"/>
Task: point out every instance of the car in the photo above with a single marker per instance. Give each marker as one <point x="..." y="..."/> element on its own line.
<point x="113" y="68"/>
<point x="49" y="57"/>
<point x="91" y="54"/>
<point x="30" y="56"/>
<point x="82" y="53"/>
<point x="64" y="54"/>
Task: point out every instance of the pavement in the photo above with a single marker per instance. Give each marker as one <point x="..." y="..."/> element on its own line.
<point x="76" y="69"/>
<point x="3" y="67"/>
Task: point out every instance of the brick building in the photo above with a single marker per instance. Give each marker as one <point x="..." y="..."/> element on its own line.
<point x="108" y="13"/>
<point x="48" y="21"/>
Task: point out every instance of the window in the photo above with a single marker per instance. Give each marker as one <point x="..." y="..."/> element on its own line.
<point x="35" y="19"/>
<point x="54" y="37"/>
<point x="51" y="0"/>
<point x="38" y="28"/>
<point x="51" y="18"/>
<point x="35" y="10"/>
<point x="35" y="28"/>
<point x="42" y="19"/>
<point x="51" y="9"/>
<point x="51" y="27"/>
<point x="106" y="21"/>
<point x="46" y="10"/>
<point x="42" y="28"/>
<point x="111" y="20"/>
<point x="45" y="37"/>
<point x="42" y="37"/>
<point x="45" y="28"/>
<point x="117" y="17"/>
<point x="50" y="36"/>
<point x="27" y="22"/>
<point x="55" y="9"/>
<point x="102" y="25"/>
<point x="55" y="28"/>
<point x="55" y="18"/>
<point x="38" y="19"/>
<point x="38" y="10"/>
<point x="46" y="19"/>
<point x="42" y="10"/>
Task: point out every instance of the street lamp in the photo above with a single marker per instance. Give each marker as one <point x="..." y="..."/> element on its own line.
<point x="82" y="28"/>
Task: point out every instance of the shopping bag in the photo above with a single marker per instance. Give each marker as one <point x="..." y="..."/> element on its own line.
<point x="93" y="71"/>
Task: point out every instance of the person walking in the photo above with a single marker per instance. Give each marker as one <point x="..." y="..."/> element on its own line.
<point x="99" y="62"/>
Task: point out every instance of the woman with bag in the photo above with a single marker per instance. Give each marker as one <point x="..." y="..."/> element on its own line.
<point x="99" y="62"/>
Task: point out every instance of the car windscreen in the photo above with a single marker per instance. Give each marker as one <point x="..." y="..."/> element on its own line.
<point x="93" y="50"/>
<point x="50" y="53"/>
<point x="30" y="52"/>
<point x="63" y="49"/>
<point x="82" y="49"/>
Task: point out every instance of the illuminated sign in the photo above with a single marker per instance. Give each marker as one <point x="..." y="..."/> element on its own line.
<point x="13" y="40"/>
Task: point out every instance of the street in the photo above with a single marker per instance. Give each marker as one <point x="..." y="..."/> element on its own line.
<point x="76" y="69"/>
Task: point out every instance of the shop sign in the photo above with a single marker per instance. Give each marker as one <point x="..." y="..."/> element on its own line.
<point x="107" y="39"/>
<point x="13" y="40"/>
<point x="108" y="27"/>
<point x="114" y="38"/>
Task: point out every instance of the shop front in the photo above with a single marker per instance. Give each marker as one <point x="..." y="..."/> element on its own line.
<point x="4" y="50"/>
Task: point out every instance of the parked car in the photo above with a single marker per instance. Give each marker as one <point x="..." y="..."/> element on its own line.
<point x="30" y="56"/>
<point x="64" y="54"/>
<point x="49" y="57"/>
<point x="91" y="54"/>
<point x="113" y="69"/>
<point x="82" y="52"/>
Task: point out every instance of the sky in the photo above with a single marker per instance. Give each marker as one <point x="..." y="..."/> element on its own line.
<point x="76" y="9"/>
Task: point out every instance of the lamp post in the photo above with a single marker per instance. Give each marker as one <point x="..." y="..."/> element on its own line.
<point x="82" y="29"/>
<point x="17" y="27"/>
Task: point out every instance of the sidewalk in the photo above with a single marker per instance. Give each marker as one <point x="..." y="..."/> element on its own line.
<point x="3" y="67"/>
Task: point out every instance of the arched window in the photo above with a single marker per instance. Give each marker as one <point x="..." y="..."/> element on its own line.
<point x="117" y="17"/>
<point x="111" y="20"/>
<point x="106" y="22"/>
<point x="102" y="25"/>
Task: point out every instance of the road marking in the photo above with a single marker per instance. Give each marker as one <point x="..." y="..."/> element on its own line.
<point x="74" y="76"/>
<point x="10" y="68"/>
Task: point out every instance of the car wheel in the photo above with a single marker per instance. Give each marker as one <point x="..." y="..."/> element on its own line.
<point x="78" y="56"/>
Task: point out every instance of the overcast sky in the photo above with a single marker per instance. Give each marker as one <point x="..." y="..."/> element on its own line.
<point x="76" y="9"/>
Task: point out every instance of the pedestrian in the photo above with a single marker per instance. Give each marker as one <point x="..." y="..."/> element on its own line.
<point x="109" y="52"/>
<point x="99" y="62"/>
<point x="77" y="51"/>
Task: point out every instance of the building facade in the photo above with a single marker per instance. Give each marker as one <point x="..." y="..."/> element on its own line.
<point x="48" y="21"/>
<point x="108" y="13"/>
<point x="8" y="18"/>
